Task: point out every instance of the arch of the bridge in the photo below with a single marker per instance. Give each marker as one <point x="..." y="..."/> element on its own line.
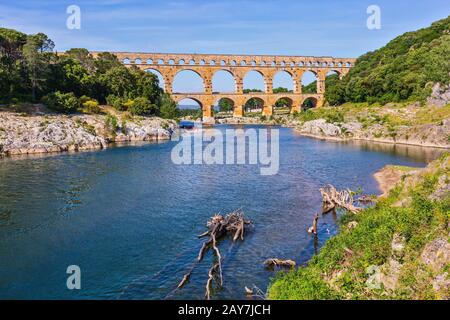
<point x="169" y="73"/>
<point x="207" y="102"/>
<point x="169" y="65"/>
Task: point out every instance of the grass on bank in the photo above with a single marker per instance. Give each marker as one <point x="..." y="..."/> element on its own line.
<point x="340" y="270"/>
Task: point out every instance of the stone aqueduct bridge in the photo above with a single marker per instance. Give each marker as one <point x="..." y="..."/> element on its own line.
<point x="206" y="65"/>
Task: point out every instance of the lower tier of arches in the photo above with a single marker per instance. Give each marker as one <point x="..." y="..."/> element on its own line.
<point x="265" y="103"/>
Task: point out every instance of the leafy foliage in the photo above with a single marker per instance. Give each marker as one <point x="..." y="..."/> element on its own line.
<point x="403" y="70"/>
<point x="62" y="102"/>
<point x="168" y="109"/>
<point x="30" y="70"/>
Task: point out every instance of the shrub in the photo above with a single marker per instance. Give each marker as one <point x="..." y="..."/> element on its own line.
<point x="168" y="109"/>
<point x="91" y="106"/>
<point x="111" y="123"/>
<point x="123" y="126"/>
<point x="62" y="102"/>
<point x="116" y="102"/>
<point x="308" y="115"/>
<point x="85" y="98"/>
<point x="127" y="104"/>
<point x="141" y="106"/>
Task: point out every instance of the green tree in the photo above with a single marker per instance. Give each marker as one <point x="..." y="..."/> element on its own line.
<point x="225" y="105"/>
<point x="106" y="61"/>
<point x="119" y="81"/>
<point x="147" y="85"/>
<point x="36" y="57"/>
<point x="11" y="43"/>
<point x="83" y="57"/>
<point x="168" y="108"/>
<point x="142" y="106"/>
<point x="62" y="102"/>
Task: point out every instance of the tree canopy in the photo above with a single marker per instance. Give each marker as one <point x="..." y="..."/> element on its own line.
<point x="402" y="70"/>
<point x="30" y="70"/>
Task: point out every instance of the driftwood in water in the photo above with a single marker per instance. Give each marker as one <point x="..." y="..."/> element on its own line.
<point x="219" y="226"/>
<point x="274" y="262"/>
<point x="313" y="228"/>
<point x="333" y="199"/>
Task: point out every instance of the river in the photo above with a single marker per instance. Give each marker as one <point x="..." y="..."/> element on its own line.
<point x="128" y="216"/>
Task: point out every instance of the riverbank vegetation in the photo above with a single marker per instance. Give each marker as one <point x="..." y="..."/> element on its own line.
<point x="397" y="249"/>
<point x="30" y="71"/>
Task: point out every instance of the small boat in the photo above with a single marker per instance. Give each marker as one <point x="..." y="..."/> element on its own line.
<point x="184" y="124"/>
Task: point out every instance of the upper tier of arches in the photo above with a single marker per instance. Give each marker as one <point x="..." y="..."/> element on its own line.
<point x="232" y="60"/>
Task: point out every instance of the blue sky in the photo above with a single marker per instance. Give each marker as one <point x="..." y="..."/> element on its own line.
<point x="293" y="27"/>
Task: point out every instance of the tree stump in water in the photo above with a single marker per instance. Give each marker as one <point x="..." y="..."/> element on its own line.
<point x="232" y="224"/>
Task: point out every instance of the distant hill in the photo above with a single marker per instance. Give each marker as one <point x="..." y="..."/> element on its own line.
<point x="404" y="69"/>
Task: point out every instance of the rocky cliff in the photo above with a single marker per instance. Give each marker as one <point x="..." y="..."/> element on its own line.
<point x="414" y="125"/>
<point x="28" y="134"/>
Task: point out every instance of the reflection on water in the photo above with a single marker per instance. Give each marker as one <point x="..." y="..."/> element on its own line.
<point x="129" y="217"/>
<point x="425" y="154"/>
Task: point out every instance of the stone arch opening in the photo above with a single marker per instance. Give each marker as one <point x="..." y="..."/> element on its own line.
<point x="149" y="61"/>
<point x="254" y="82"/>
<point x="283" y="105"/>
<point x="309" y="103"/>
<point x="126" y="61"/>
<point x="158" y="74"/>
<point x="309" y="82"/>
<point x="282" y="82"/>
<point x="190" y="108"/>
<point x="192" y="62"/>
<point x="188" y="81"/>
<point x="224" y="106"/>
<point x="333" y="73"/>
<point x="181" y="62"/>
<point x="254" y="105"/>
<point x="223" y="81"/>
<point x="138" y="61"/>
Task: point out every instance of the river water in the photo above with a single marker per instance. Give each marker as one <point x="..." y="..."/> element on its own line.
<point x="128" y="216"/>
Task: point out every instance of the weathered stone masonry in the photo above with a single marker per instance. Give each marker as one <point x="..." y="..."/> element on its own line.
<point x="206" y="65"/>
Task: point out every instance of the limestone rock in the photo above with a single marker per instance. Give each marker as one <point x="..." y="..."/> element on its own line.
<point x="436" y="254"/>
<point x="440" y="95"/>
<point x="55" y="133"/>
<point x="320" y="127"/>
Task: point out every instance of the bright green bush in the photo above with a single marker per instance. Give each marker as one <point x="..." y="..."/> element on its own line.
<point x="91" y="106"/>
<point x="142" y="106"/>
<point x="62" y="102"/>
<point x="168" y="109"/>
